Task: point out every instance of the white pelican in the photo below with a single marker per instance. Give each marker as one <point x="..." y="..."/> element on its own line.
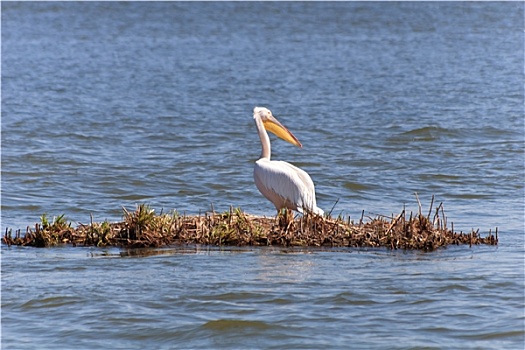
<point x="283" y="184"/>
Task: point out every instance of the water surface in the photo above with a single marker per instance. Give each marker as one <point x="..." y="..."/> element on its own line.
<point x="107" y="105"/>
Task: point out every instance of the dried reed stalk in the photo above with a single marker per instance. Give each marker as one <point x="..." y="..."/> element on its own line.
<point x="143" y="228"/>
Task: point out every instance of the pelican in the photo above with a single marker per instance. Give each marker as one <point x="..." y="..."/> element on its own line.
<point x="283" y="184"/>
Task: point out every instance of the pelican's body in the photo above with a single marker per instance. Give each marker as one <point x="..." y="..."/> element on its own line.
<point x="282" y="183"/>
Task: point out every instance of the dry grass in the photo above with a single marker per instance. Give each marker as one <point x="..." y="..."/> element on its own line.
<point x="143" y="228"/>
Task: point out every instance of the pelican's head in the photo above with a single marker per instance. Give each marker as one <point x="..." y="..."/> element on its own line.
<point x="274" y="126"/>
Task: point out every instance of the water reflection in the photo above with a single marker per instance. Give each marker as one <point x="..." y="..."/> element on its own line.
<point x="287" y="266"/>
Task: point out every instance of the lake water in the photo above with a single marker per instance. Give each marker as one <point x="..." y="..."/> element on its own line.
<point x="111" y="104"/>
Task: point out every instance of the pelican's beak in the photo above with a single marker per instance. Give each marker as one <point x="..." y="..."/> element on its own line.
<point x="274" y="126"/>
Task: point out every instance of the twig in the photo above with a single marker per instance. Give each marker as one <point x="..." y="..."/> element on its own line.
<point x="330" y="212"/>
<point x="429" y="209"/>
<point x="444" y="217"/>
<point x="395" y="222"/>
<point x="418" y="203"/>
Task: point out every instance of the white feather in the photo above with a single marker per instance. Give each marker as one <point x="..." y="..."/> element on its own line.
<point x="283" y="184"/>
<point x="286" y="186"/>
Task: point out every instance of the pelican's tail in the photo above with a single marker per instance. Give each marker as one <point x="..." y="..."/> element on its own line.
<point x="316" y="210"/>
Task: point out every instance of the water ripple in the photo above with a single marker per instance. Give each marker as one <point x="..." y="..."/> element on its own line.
<point x="106" y="104"/>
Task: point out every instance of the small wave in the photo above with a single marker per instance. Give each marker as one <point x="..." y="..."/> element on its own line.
<point x="233" y="324"/>
<point x="504" y="335"/>
<point x="425" y="134"/>
<point x="469" y="195"/>
<point x="354" y="186"/>
<point x="453" y="287"/>
<point x="50" y="302"/>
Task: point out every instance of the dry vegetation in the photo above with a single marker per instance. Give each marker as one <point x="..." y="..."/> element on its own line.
<point x="143" y="228"/>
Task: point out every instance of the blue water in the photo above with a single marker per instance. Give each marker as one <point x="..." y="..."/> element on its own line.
<point x="110" y="104"/>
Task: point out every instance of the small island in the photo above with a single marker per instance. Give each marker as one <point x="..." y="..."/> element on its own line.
<point x="144" y="228"/>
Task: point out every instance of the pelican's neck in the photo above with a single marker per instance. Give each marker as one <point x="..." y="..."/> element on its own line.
<point x="265" y="139"/>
